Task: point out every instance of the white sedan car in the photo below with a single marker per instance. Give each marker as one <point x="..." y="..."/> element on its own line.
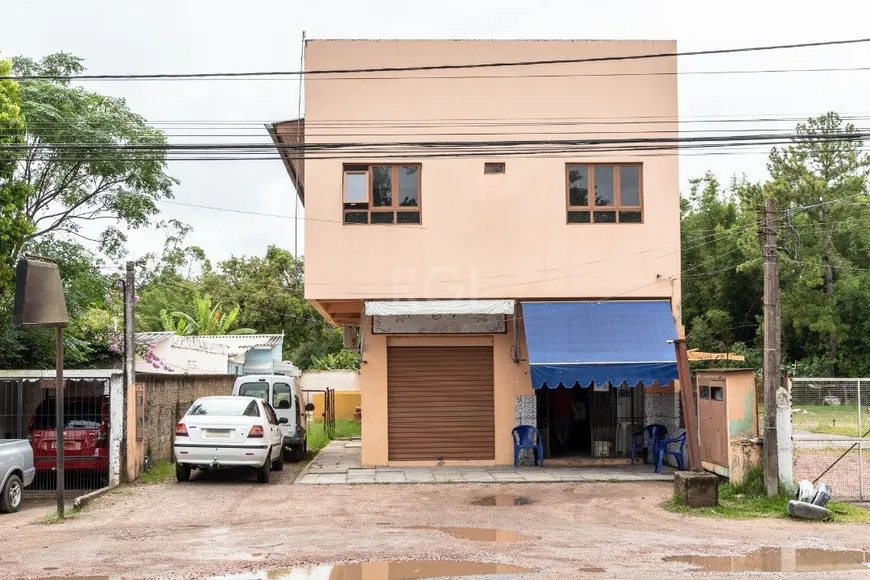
<point x="226" y="432"/>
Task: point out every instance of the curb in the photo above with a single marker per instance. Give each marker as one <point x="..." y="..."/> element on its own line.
<point x="307" y="467"/>
<point x="83" y="500"/>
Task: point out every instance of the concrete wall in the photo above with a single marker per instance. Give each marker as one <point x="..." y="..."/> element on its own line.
<point x="345" y="404"/>
<point x="184" y="356"/>
<point x="337" y="380"/>
<point x="498" y="236"/>
<point x="167" y="399"/>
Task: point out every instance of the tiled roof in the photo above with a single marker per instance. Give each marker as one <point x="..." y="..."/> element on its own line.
<point x="149" y="337"/>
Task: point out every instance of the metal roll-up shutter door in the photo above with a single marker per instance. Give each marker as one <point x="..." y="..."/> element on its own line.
<point x="440" y="403"/>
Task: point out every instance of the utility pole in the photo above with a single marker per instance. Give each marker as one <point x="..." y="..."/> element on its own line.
<point x="771" y="361"/>
<point x="129" y="346"/>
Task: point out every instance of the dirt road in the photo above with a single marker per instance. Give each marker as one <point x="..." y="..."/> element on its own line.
<point x="222" y="526"/>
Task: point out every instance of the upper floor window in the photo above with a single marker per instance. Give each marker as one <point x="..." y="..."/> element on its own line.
<point x="604" y="193"/>
<point x="381" y="194"/>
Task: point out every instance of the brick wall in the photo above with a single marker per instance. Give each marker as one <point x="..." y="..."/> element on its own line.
<point x="167" y="398"/>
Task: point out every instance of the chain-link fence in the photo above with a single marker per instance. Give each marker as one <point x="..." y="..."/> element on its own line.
<point x="830" y="434"/>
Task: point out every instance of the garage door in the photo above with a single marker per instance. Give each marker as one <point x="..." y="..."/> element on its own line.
<point x="440" y="403"/>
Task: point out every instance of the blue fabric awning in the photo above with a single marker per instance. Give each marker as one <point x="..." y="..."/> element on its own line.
<point x="585" y="343"/>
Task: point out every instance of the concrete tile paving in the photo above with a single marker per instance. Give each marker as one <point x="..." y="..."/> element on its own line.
<point x="340" y="463"/>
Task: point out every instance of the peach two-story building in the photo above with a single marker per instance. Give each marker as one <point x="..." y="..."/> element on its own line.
<point x="494" y="232"/>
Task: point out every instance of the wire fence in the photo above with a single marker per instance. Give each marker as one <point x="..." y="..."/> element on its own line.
<point x="830" y="434"/>
<point x="28" y="411"/>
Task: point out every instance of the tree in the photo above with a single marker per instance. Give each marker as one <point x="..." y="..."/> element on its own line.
<point x="206" y="320"/>
<point x="269" y="292"/>
<point x="75" y="163"/>
<point x="721" y="281"/>
<point x="820" y="181"/>
<point x="14" y="226"/>
<point x="88" y="296"/>
<point x="344" y="359"/>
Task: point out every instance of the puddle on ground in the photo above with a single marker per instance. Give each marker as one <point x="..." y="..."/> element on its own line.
<point x="592" y="570"/>
<point x="780" y="560"/>
<point x="502" y="500"/>
<point x="398" y="570"/>
<point x="480" y="534"/>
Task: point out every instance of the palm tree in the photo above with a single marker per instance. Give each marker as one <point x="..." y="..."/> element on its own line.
<point x="206" y="319"/>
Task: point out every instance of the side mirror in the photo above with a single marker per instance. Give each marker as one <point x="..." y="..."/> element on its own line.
<point x="309" y="407"/>
<point x="283" y="420"/>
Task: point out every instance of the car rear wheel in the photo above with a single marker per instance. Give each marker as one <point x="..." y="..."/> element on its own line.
<point x="299" y="453"/>
<point x="182" y="472"/>
<point x="278" y="464"/>
<point x="11" y="499"/>
<point x="288" y="454"/>
<point x="265" y="470"/>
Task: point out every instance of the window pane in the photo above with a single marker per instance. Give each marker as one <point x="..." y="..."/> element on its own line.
<point x="356" y="217"/>
<point x="629" y="185"/>
<point x="409" y="187"/>
<point x="578" y="185"/>
<point x="382" y="185"/>
<point x="281" y="396"/>
<point x="258" y="389"/>
<point x="629" y="217"/>
<point x="578" y="217"/>
<point x="382" y="217"/>
<point x="225" y="407"/>
<point x="604" y="217"/>
<point x="604" y="185"/>
<point x="408" y="217"/>
<point x="355" y="187"/>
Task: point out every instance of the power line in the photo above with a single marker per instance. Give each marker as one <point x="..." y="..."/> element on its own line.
<point x="464" y="66"/>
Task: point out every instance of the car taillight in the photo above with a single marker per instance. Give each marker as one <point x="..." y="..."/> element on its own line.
<point x="181" y="430"/>
<point x="256" y="431"/>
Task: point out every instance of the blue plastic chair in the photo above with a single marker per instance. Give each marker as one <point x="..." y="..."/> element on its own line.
<point x="528" y="437"/>
<point x="678" y="455"/>
<point x="652" y="433"/>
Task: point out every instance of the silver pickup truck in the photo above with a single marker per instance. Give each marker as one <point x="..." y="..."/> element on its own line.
<point x="16" y="472"/>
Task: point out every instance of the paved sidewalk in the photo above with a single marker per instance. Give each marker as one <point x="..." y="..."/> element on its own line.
<point x="339" y="463"/>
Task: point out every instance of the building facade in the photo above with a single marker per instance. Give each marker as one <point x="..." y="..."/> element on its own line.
<point x="442" y="207"/>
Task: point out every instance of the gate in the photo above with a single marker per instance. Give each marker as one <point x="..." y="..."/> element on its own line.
<point x="28" y="411"/>
<point x="830" y="434"/>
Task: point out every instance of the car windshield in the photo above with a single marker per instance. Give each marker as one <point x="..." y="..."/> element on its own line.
<point x="258" y="389"/>
<point x="76" y="415"/>
<point x="230" y="407"/>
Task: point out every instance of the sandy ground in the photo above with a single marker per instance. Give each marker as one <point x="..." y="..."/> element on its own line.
<point x="221" y="526"/>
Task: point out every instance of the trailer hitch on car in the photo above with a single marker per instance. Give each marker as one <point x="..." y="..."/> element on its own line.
<point x="214" y="464"/>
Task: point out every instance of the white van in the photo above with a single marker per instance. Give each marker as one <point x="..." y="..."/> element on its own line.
<point x="285" y="396"/>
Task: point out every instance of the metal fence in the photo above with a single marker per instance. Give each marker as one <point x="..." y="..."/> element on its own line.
<point x="830" y="434"/>
<point x="28" y="411"/>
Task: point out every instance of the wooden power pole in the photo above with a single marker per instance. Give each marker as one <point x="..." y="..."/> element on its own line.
<point x="771" y="361"/>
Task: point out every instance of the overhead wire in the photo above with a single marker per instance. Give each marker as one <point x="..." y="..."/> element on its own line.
<point x="451" y="66"/>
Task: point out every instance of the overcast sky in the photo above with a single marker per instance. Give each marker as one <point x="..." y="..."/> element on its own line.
<point x="178" y="36"/>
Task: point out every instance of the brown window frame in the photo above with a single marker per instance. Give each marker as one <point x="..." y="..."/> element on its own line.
<point x="368" y="206"/>
<point x="617" y="208"/>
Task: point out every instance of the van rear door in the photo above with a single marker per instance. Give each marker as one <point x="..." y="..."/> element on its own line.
<point x="283" y="403"/>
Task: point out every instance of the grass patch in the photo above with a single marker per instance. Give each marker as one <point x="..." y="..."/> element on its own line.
<point x="842" y="430"/>
<point x="53" y="518"/>
<point x="161" y="472"/>
<point x="344" y="428"/>
<point x="749" y="501"/>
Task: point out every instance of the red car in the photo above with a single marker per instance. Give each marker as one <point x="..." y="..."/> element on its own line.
<point x="85" y="436"/>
